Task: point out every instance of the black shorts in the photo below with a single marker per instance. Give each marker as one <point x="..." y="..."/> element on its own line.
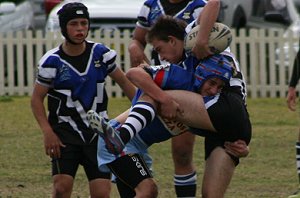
<point x="230" y="118"/>
<point x="74" y="155"/>
<point x="130" y="169"/>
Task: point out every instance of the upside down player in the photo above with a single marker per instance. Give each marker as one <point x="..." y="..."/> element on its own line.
<point x="236" y="83"/>
<point x="207" y="80"/>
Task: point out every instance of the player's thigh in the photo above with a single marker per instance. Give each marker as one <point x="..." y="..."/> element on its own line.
<point x="131" y="169"/>
<point x="219" y="169"/>
<point x="64" y="169"/>
<point x="90" y="164"/>
<point x="195" y="113"/>
<point x="68" y="162"/>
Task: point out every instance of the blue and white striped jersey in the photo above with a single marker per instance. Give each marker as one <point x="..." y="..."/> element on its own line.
<point x="77" y="84"/>
<point x="153" y="9"/>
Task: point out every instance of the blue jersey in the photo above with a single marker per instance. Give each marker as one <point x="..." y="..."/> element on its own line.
<point x="74" y="88"/>
<point x="174" y="77"/>
<point x="153" y="9"/>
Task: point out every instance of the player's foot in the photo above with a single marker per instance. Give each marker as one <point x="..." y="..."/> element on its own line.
<point x="114" y="143"/>
<point x="94" y="122"/>
<point x="296" y="194"/>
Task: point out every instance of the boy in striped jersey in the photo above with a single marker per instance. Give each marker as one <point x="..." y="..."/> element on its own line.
<point x="72" y="76"/>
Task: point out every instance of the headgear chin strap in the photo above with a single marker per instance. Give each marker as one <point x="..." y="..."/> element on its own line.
<point x="71" y="11"/>
<point x="215" y="66"/>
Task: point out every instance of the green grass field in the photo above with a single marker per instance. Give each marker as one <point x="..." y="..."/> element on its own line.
<point x="268" y="172"/>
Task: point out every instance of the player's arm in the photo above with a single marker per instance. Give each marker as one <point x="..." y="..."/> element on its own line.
<point x="292" y="92"/>
<point x="141" y="79"/>
<point x="119" y="76"/>
<point x="137" y="46"/>
<point x="37" y="106"/>
<point x="206" y="19"/>
<point x="291" y="98"/>
<point x="52" y="143"/>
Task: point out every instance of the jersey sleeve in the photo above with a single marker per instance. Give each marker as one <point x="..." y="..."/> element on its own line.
<point x="46" y="71"/>
<point x="171" y="77"/>
<point x="143" y="16"/>
<point x="105" y="57"/>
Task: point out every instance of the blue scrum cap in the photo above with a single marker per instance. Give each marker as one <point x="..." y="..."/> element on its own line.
<point x="216" y="66"/>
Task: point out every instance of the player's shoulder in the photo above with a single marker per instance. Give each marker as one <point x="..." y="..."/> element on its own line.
<point x="100" y="49"/>
<point x="199" y="3"/>
<point x="100" y="46"/>
<point x="151" y="3"/>
<point x="50" y="56"/>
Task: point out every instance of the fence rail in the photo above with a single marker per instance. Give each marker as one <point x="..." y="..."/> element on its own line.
<point x="266" y="58"/>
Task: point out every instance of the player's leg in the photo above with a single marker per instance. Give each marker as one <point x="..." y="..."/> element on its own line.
<point x="64" y="170"/>
<point x="99" y="182"/>
<point x="62" y="185"/>
<point x="138" y="171"/>
<point x="185" y="177"/>
<point x="100" y="188"/>
<point x="133" y="172"/>
<point x="140" y="115"/>
<point x="219" y="169"/>
<point x="124" y="190"/>
<point x="146" y="188"/>
<point x="195" y="113"/>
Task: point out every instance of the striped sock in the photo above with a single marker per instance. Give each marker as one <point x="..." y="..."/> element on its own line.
<point x="298" y="159"/>
<point x="139" y="117"/>
<point x="186" y="185"/>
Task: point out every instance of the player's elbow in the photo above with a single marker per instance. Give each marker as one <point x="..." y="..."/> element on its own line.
<point x="133" y="73"/>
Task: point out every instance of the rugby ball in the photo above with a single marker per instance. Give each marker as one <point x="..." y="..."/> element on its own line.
<point x="219" y="39"/>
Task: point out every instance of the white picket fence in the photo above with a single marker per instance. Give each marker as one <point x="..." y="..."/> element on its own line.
<point x="267" y="71"/>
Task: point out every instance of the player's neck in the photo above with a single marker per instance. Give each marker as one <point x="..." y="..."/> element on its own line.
<point x="73" y="50"/>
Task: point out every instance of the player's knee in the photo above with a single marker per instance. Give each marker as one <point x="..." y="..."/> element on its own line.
<point x="61" y="190"/>
<point x="62" y="185"/>
<point x="147" y="188"/>
<point x="151" y="192"/>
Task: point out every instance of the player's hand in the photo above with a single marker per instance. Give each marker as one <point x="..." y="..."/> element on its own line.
<point x="201" y="50"/>
<point x="52" y="144"/>
<point x="143" y="65"/>
<point x="170" y="110"/>
<point x="238" y="148"/>
<point x="291" y="98"/>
